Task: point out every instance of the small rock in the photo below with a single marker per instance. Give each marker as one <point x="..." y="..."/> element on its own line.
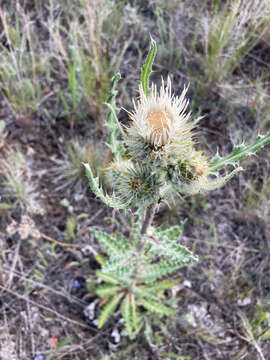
<point x="116" y="335"/>
<point x="89" y="311"/>
<point x="187" y="284"/>
<point x="244" y="302"/>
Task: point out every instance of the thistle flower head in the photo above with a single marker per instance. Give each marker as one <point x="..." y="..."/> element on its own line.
<point x="160" y="131"/>
<point x="135" y="184"/>
<point x="186" y="173"/>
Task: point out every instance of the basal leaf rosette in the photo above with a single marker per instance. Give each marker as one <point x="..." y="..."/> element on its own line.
<point x="161" y="131"/>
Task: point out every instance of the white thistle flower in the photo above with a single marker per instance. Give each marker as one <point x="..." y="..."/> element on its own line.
<point x="160" y="126"/>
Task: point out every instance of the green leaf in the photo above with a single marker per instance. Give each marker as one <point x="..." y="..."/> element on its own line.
<point x="100" y="259"/>
<point x="128" y="310"/>
<point x="112" y="123"/>
<point x="221" y="181"/>
<point x="162" y="245"/>
<point x="152" y="272"/>
<point x="109" y="245"/>
<point x="147" y="67"/>
<point x="120" y="266"/>
<point x="144" y="293"/>
<point x="238" y="153"/>
<point x="106" y="277"/>
<point x="106" y="290"/>
<point x="109" y="309"/>
<point x="156" y="307"/>
<point x="162" y="285"/>
<point x="111" y="201"/>
<point x="165" y="242"/>
<point x="122" y="242"/>
<point x="111" y="100"/>
<point x="173" y="233"/>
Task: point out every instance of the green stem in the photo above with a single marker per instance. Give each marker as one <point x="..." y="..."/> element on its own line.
<point x="148" y="218"/>
<point x="239" y="152"/>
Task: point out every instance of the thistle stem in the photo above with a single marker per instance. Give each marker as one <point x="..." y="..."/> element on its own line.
<point x="148" y="218"/>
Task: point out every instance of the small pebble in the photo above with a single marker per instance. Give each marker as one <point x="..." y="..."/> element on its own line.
<point x="89" y="311"/>
<point x="116" y="335"/>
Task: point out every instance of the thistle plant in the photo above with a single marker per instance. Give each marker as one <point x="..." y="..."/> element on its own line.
<point x="154" y="160"/>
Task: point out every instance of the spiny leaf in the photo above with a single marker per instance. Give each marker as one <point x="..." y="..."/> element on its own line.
<point x="128" y="310"/>
<point x="147" y="67"/>
<point x="111" y="201"/>
<point x="122" y="241"/>
<point x="109" y="309"/>
<point x="165" y="242"/>
<point x="156" y="307"/>
<point x="114" y="144"/>
<point x="172" y="233"/>
<point x="121" y="265"/>
<point x="221" y="181"/>
<point x="162" y="285"/>
<point x="111" y="100"/>
<point x="239" y="152"/>
<point x="110" y="245"/>
<point x="107" y="278"/>
<point x="106" y="290"/>
<point x="152" y="272"/>
<point x="161" y="245"/>
<point x="144" y="293"/>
